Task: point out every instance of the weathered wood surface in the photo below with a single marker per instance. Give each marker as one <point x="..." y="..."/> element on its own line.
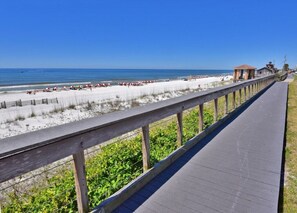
<point x="216" y="110"/>
<point x="146" y="147"/>
<point x="201" y="118"/>
<point x="226" y="171"/>
<point x="179" y="129"/>
<point x="80" y="181"/>
<point x="26" y="152"/>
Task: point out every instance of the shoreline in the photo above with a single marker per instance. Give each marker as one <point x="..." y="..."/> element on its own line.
<point x="10" y="88"/>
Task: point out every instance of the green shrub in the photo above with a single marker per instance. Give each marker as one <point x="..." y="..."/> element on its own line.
<point x="113" y="167"/>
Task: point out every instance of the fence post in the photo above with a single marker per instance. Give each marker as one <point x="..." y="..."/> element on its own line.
<point x="46" y="101"/>
<point x="57" y="100"/>
<point x="145" y="148"/>
<point x="249" y="91"/>
<point x="81" y="182"/>
<point x="244" y="93"/>
<point x="179" y="128"/>
<point x="233" y="100"/>
<point x="201" y="118"/>
<point x="215" y="115"/>
<point x="226" y="104"/>
<point x="239" y="96"/>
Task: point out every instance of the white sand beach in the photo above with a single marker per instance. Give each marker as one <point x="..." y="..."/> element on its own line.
<point x="75" y="105"/>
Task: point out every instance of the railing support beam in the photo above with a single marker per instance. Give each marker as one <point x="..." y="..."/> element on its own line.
<point x="201" y="118"/>
<point x="215" y="114"/>
<point x="240" y="97"/>
<point x="145" y="148"/>
<point x="81" y="182"/>
<point x="179" y="129"/>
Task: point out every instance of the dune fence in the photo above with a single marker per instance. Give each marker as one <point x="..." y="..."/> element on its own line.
<point x="20" y="103"/>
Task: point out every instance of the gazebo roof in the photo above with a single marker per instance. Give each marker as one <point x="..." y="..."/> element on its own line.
<point x="245" y="67"/>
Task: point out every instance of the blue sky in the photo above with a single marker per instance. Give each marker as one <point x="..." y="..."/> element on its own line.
<point x="182" y="34"/>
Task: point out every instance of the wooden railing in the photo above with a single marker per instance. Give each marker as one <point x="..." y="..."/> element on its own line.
<point x="24" y="153"/>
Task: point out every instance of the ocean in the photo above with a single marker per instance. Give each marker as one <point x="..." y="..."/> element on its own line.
<point x="21" y="79"/>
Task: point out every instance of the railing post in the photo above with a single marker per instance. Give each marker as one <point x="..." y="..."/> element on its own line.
<point x="81" y="182"/>
<point x="233" y="100"/>
<point x="244" y="93"/>
<point x="179" y="129"/>
<point x="226" y="104"/>
<point x="249" y="88"/>
<point x="215" y="114"/>
<point x="201" y="118"/>
<point x="145" y="148"/>
<point x="239" y="96"/>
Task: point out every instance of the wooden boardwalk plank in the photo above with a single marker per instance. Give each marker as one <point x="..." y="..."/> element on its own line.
<point x="236" y="168"/>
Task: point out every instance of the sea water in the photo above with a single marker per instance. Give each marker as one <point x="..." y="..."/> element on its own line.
<point x="25" y="78"/>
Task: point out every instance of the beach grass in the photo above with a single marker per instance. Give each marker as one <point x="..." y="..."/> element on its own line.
<point x="289" y="201"/>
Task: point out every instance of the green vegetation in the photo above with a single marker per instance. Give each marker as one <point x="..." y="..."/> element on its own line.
<point x="108" y="170"/>
<point x="290" y="188"/>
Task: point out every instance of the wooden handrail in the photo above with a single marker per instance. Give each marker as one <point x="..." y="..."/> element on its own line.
<point x="26" y="152"/>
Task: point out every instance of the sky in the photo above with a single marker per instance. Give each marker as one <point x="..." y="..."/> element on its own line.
<point x="166" y="34"/>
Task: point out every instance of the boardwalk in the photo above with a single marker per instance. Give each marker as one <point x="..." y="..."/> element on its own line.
<point x="235" y="169"/>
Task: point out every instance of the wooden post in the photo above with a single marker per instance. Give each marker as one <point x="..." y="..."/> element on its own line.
<point x="244" y="93"/>
<point x="258" y="86"/>
<point x="57" y="100"/>
<point x="200" y="118"/>
<point x="145" y="148"/>
<point x="239" y="96"/>
<point x="81" y="182"/>
<point x="226" y="104"/>
<point x="179" y="129"/>
<point x="20" y="104"/>
<point x="215" y="114"/>
<point x="233" y="100"/>
<point x="47" y="101"/>
<point x="249" y="91"/>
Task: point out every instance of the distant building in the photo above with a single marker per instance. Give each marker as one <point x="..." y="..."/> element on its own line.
<point x="243" y="72"/>
<point x="268" y="70"/>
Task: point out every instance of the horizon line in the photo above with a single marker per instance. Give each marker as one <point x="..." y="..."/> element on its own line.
<point x="117" y="68"/>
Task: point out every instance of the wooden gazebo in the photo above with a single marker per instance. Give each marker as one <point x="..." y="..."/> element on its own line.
<point x="244" y="72"/>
